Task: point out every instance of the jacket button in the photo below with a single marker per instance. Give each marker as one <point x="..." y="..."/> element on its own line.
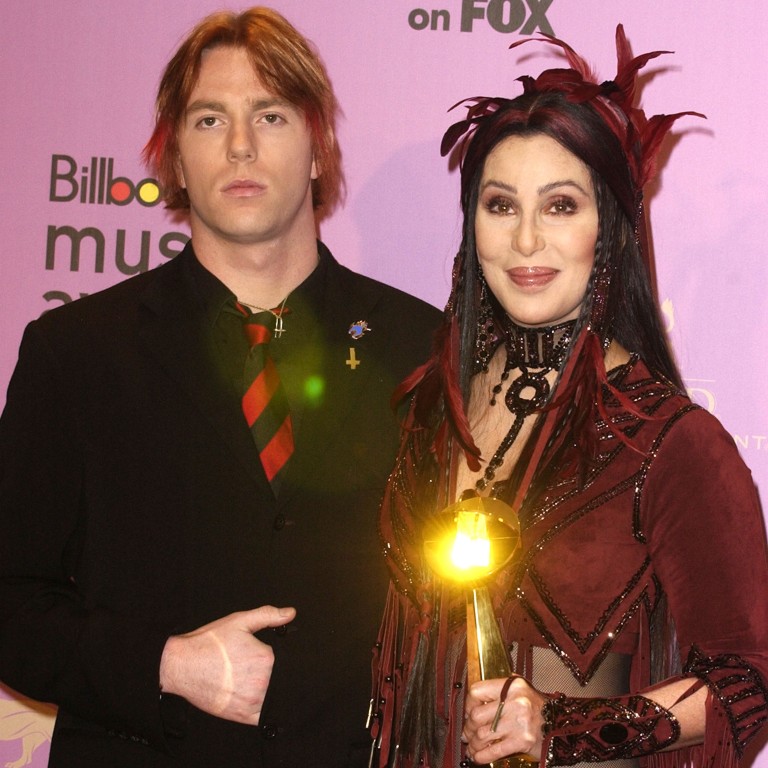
<point x="279" y="523"/>
<point x="269" y="730"/>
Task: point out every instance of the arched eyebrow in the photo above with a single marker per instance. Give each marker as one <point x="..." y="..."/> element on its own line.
<point x="543" y="190"/>
<point x="562" y="183"/>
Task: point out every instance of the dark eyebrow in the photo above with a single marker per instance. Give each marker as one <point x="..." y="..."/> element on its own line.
<point x="502" y="185"/>
<point x="563" y="183"/>
<point x="541" y="190"/>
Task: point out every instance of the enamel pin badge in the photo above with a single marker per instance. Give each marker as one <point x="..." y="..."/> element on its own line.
<point x="357" y="329"/>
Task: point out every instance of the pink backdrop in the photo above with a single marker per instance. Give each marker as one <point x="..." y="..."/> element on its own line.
<point x="78" y="83"/>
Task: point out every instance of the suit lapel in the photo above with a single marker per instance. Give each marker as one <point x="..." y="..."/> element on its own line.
<point x="346" y="369"/>
<point x="173" y="332"/>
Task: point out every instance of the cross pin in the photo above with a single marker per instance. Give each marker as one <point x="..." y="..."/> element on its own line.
<point x="352" y="362"/>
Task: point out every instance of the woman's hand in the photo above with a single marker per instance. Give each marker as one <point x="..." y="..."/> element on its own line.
<point x="502" y="718"/>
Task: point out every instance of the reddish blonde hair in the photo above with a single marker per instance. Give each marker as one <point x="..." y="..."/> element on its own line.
<point x="287" y="65"/>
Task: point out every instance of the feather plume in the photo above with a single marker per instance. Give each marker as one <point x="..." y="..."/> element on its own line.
<point x="640" y="136"/>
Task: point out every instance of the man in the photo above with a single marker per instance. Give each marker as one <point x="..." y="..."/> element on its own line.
<point x="187" y="595"/>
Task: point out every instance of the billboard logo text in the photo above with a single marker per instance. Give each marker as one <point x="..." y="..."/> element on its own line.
<point x="96" y="184"/>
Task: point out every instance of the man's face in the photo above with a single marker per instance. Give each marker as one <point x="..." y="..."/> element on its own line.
<point x="245" y="157"/>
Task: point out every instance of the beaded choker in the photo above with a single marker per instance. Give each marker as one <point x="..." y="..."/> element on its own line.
<point x="535" y="352"/>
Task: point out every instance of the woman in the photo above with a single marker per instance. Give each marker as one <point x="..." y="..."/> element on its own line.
<point x="635" y="610"/>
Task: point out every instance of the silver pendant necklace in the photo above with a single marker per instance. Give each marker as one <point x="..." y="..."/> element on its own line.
<point x="277" y="313"/>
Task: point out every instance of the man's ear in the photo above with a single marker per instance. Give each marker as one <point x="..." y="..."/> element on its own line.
<point x="180" y="172"/>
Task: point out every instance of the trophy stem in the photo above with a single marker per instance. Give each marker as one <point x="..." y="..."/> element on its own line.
<point x="466" y="544"/>
<point x="487" y="657"/>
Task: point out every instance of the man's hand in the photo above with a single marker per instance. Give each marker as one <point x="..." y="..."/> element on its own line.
<point x="222" y="668"/>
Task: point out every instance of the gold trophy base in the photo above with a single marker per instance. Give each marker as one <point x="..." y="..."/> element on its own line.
<point x="515" y="761"/>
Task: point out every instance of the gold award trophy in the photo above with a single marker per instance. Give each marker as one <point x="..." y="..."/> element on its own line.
<point x="469" y="542"/>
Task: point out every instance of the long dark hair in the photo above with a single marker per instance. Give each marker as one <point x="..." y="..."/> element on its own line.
<point x="620" y="301"/>
<point x="631" y="313"/>
<point x="599" y="125"/>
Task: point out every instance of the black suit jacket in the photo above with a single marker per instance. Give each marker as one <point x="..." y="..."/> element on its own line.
<point x="134" y="507"/>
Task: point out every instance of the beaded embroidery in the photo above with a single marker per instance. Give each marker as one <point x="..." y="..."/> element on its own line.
<point x="535" y="352"/>
<point x="532" y="597"/>
<point x="738" y="688"/>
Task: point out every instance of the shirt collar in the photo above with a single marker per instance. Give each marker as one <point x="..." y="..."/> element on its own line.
<point x="214" y="297"/>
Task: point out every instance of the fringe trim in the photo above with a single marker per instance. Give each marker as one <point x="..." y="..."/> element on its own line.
<point x="717" y="751"/>
<point x="739" y="694"/>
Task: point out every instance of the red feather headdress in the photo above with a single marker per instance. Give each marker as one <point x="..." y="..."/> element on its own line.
<point x="640" y="138"/>
<point x="614" y="100"/>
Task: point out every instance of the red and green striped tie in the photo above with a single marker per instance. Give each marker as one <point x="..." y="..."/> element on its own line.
<point x="265" y="404"/>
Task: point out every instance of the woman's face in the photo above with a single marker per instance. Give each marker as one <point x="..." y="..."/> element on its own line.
<point x="536" y="227"/>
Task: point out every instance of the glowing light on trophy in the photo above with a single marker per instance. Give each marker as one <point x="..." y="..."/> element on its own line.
<point x="469" y="542"/>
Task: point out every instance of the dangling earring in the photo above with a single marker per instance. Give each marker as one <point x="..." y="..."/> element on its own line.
<point x="598" y="315"/>
<point x="485" y="337"/>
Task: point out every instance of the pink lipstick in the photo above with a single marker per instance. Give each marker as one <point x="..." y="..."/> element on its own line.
<point x="532" y="277"/>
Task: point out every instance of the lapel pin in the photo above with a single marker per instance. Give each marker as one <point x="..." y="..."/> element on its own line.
<point x="352" y="361"/>
<point x="357" y="329"/>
